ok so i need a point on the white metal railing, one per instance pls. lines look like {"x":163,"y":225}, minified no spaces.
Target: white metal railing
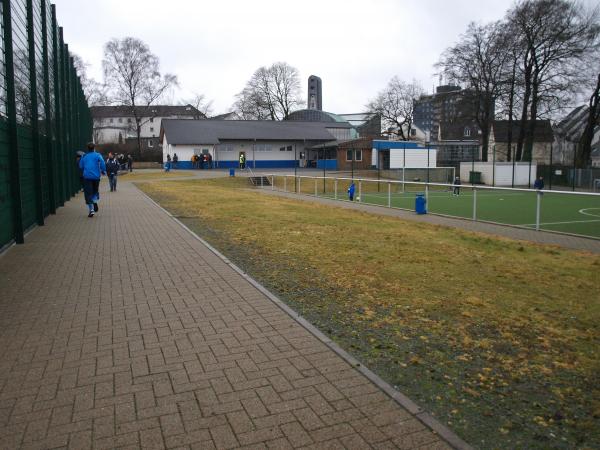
{"x":300,"y":180}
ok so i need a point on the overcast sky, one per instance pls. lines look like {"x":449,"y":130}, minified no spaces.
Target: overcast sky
{"x":215,"y":46}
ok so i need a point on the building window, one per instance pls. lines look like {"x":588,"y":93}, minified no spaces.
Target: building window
{"x":467,"y":132}
{"x":128,"y":120}
{"x":120,"y":120}
{"x":413,"y":132}
{"x":150,"y":143}
{"x":357,"y":155}
{"x":111,"y":120}
{"x":151,"y":129}
{"x":289,"y":148}
{"x":151,"y":119}
{"x":282,"y":149}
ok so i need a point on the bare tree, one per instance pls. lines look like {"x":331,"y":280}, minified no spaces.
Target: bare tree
{"x":272,"y":93}
{"x":558,"y":38}
{"x":395,"y":104}
{"x":94,"y":91}
{"x":132,"y":75}
{"x":201,"y":103}
{"x":477,"y":62}
{"x":584,"y":155}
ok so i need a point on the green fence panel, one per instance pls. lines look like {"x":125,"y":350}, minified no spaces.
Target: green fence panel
{"x":44,"y":117}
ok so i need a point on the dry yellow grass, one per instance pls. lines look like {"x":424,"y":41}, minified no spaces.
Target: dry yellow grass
{"x":499,"y":338}
{"x":152,"y":175}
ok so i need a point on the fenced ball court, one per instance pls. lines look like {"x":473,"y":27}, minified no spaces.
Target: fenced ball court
{"x":576,"y":213}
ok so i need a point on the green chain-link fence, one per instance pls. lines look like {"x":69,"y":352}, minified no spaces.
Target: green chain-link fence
{"x":44,"y":118}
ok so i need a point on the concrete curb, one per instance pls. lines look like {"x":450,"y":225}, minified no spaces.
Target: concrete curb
{"x":427,"y":419}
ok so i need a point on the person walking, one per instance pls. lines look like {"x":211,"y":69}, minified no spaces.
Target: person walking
{"x":175,"y":160}
{"x":112,"y":171}
{"x":130,"y":162}
{"x":209,"y":161}
{"x":242,"y":161}
{"x":539,"y":185}
{"x":351,"y":191}
{"x":456,"y":189}
{"x":93,"y":168}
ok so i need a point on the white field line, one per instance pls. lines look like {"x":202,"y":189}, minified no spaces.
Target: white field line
{"x":560,"y":223}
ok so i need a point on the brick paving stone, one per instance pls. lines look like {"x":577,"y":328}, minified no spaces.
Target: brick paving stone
{"x":152,"y":341}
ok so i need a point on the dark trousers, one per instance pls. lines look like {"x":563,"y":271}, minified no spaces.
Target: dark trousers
{"x":112,"y":181}
{"x":90,"y":191}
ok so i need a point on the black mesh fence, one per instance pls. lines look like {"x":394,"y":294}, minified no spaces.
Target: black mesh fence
{"x":44,"y":118}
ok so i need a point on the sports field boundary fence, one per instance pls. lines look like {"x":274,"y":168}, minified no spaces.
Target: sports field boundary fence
{"x":44,"y":118}
{"x":566,"y":212}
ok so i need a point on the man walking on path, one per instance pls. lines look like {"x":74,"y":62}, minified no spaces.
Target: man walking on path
{"x":112,"y":170}
{"x":130,"y":163}
{"x":93,"y":168}
{"x":175,"y":160}
{"x":242,"y":161}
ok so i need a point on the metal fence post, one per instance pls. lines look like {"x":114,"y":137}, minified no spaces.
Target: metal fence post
{"x":59,"y":143}
{"x":335,"y":188}
{"x":316,"y":188}
{"x":299,"y":188}
{"x":272,"y":182}
{"x":360,"y":191}
{"x":474,"y":203}
{"x":389,"y":194}
{"x":35,"y":127}
{"x":11,"y":111}
{"x":285,"y":183}
{"x":48,"y":113}
{"x":538,"y":210}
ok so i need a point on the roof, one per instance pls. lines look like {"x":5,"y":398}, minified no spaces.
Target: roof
{"x":314,"y":115}
{"x":193,"y":132}
{"x":232,"y":115}
{"x":543,"y":131}
{"x":99,"y":112}
{"x":456,"y":131}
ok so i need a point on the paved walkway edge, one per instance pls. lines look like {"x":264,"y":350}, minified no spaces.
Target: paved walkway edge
{"x":427,"y":419}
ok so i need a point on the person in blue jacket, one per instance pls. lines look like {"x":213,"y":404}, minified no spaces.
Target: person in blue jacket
{"x":351,"y":190}
{"x":93,"y":168}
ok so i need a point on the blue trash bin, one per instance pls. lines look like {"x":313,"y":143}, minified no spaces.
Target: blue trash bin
{"x":421,"y":204}
{"x":232,"y":172}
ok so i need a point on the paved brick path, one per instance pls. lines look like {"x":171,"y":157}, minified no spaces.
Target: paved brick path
{"x":124,"y":331}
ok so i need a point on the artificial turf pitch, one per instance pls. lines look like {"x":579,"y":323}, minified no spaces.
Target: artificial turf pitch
{"x":568,"y":213}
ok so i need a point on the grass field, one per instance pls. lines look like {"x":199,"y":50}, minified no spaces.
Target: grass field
{"x":568,"y":213}
{"x":152,"y":174}
{"x":499,"y":339}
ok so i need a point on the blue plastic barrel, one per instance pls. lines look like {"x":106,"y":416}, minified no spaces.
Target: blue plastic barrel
{"x":421,"y":204}
{"x":232,"y":172}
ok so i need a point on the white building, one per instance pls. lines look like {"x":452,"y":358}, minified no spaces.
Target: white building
{"x":265,"y":144}
{"x":116,"y":124}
